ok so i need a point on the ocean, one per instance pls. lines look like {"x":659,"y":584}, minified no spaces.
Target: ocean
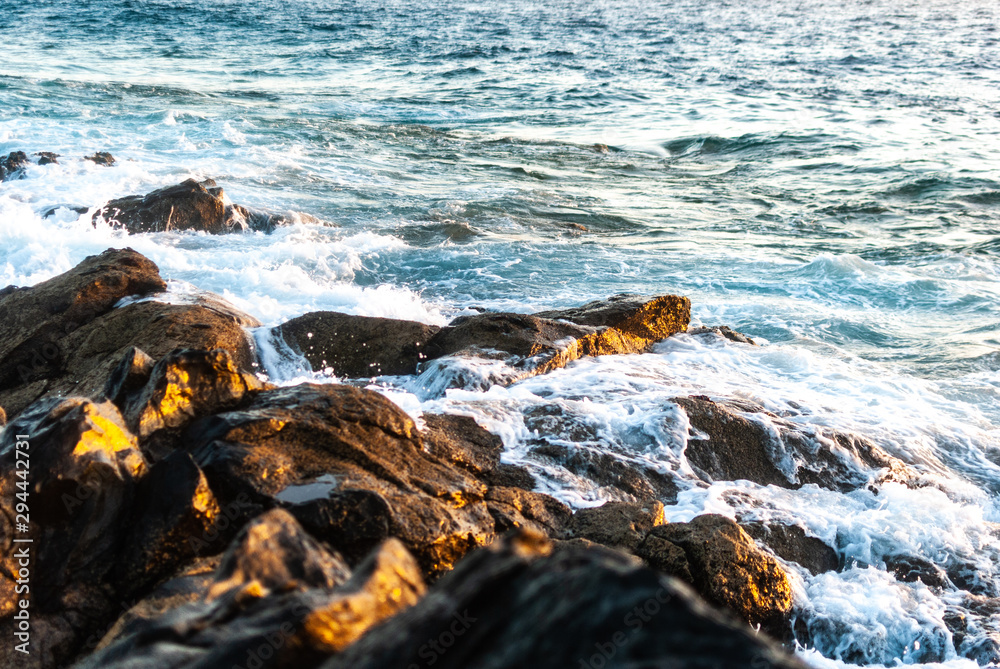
{"x":821,"y":176}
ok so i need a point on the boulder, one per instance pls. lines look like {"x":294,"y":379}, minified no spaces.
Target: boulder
{"x":648,"y":320}
{"x":277,"y":599}
{"x":461,"y":441}
{"x":791,"y":543}
{"x":65,"y":336}
{"x":523,"y":604}
{"x":357,"y":346}
{"x":726,"y":568}
{"x":190,"y":205}
{"x":742,"y":441}
{"x":12,"y":165}
{"x":296,"y":445}
{"x":616,"y":524}
{"x":129,"y":377}
{"x":514,"y":508}
{"x":911,"y":569}
{"x":47,"y":158}
{"x":102,"y":158}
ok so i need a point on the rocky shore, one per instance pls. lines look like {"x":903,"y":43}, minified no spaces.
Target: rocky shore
{"x":185,"y":512}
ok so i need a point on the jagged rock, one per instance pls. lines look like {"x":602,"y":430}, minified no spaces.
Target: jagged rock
{"x":303,"y":442}
{"x":511,"y":476}
{"x":461,"y":441}
{"x":523,"y":605}
{"x":12,"y":165}
{"x":186,"y":384}
{"x":975,"y":628}
{"x":616,"y":524}
{"x":356,"y":521}
{"x":745,"y":442}
{"x":357,"y":346}
{"x":65,"y":336}
{"x":189,"y":205}
{"x":514,"y":508}
{"x":537,"y":344}
{"x":47,"y":158}
{"x":726,"y":568}
{"x":725,"y":332}
{"x":790,"y":542}
{"x":101,"y":158}
{"x":129,"y":377}
{"x":278,"y":599}
{"x":82,"y":480}
{"x":910,"y":569}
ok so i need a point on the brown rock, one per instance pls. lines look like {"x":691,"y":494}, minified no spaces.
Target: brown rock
{"x":616,"y":524}
{"x":304,"y":442}
{"x":514,"y":508}
{"x":725,"y":332}
{"x":47,"y":158}
{"x":461,"y":441}
{"x":729,"y":570}
{"x":790,"y":542}
{"x":12,"y":165}
{"x":190,"y":205}
{"x":357,"y":346}
{"x":101,"y":158}
{"x":646,"y":319}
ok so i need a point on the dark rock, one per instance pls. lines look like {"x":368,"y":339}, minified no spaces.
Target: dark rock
{"x":616,"y":524}
{"x":745,"y":442}
{"x":185,"y":385}
{"x":50,"y":211}
{"x":129,"y":377}
{"x":303,"y":442}
{"x":511,"y":476}
{"x":101,"y":158}
{"x":725,"y":332}
{"x":12,"y":165}
{"x":190,"y":205}
{"x":790,"y":542}
{"x":665,"y":557}
{"x":357,"y":346}
{"x":47,"y":158}
{"x":967,"y":577}
{"x":461,"y":441}
{"x":523,"y":605}
{"x":353,"y":521}
{"x":278,"y":599}
{"x":514,"y":508}
{"x":84,"y":470}
{"x":910,"y":569}
{"x":728,"y":569}
{"x":65,"y":336}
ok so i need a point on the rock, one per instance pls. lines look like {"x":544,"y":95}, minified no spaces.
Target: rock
{"x":12,"y":165}
{"x":190,"y":205}
{"x":725,"y":332}
{"x":3,"y":417}
{"x":648,"y":320}
{"x":616,"y":524}
{"x":910,"y":569}
{"x":357,"y":346}
{"x":84,"y":471}
{"x":514,"y":508}
{"x":50,"y":211}
{"x":506,"y":608}
{"x":185,"y":385}
{"x":129,"y":377}
{"x":728,"y":570}
{"x":356,"y":521}
{"x":278,"y":599}
{"x":461,"y":441}
{"x":65,"y":336}
{"x":47,"y":158}
{"x":745,"y":442}
{"x":101,"y":158}
{"x":303,"y":442}
{"x":511,"y":476}
{"x":791,"y":543}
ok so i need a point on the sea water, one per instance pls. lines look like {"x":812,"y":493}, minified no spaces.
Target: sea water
{"x":824,"y":177}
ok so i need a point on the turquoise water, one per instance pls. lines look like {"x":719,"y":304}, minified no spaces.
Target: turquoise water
{"x":824,"y":177}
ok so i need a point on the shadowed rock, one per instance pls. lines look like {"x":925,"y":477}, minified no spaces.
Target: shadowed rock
{"x":357,"y":346}
{"x":129,"y":377}
{"x":514,"y":508}
{"x":65,"y":336}
{"x":745,"y":442}
{"x":461,"y":441}
{"x":12,"y":165}
{"x":791,"y":543}
{"x":725,"y":332}
{"x":190,"y":205}
{"x":910,"y":569}
{"x":725,"y":567}
{"x":521,"y":604}
{"x":304,"y":442}
{"x":616,"y":524}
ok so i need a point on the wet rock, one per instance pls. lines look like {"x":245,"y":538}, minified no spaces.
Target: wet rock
{"x":461,"y":441}
{"x":910,"y":569}
{"x":309,"y":440}
{"x":725,"y":332}
{"x":47,"y":158}
{"x":65,"y":336}
{"x":616,"y":524}
{"x":507,"y":607}
{"x":646,"y":319}
{"x":745,"y":442}
{"x":189,"y":205}
{"x":968,"y":577}
{"x":101,"y":158}
{"x":185,"y":385}
{"x":728,"y":569}
{"x":790,"y":542}
{"x":355,"y":521}
{"x":278,"y":599}
{"x":357,"y":346}
{"x":129,"y":377}
{"x":514,"y":508}
{"x":48,"y":212}
{"x":12,"y":165}
{"x":84,"y":470}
